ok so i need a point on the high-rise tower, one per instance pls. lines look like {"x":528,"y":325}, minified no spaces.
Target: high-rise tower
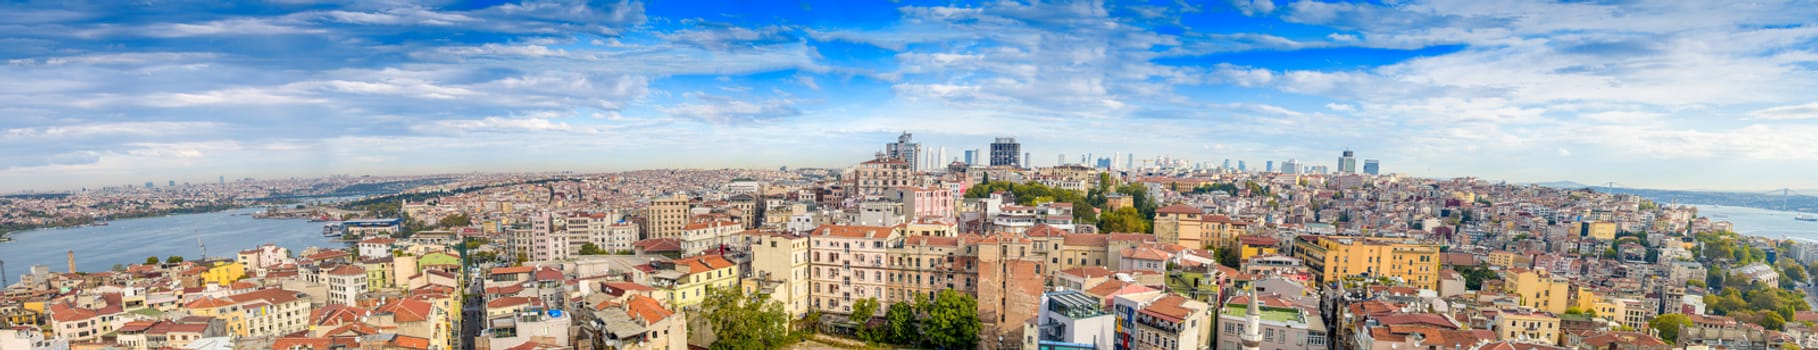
{"x":904,"y":149}
{"x":1347,"y":164}
{"x":1006,"y":152}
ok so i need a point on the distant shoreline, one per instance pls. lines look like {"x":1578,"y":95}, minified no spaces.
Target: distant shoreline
{"x":8,"y":230}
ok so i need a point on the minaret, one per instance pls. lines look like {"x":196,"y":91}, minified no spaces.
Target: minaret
{"x":1252,"y":337}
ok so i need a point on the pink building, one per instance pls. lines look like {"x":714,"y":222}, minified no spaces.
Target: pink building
{"x":849,"y":263}
{"x":924,"y":201}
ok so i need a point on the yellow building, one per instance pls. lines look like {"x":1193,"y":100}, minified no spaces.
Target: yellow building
{"x":1334,"y":258}
{"x":1533,"y":326}
{"x":1539,"y":289}
{"x":224,"y":273}
{"x":378,"y":273}
{"x":686,"y":280}
{"x":1603,"y":230}
{"x":1507,"y":259}
{"x":1257,"y":245}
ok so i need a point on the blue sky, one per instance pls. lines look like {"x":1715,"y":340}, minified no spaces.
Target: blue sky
{"x":1705,"y":95}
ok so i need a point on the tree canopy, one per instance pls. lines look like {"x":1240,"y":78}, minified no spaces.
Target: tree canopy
{"x":1668,"y":325}
{"x":591,"y":249}
{"x":740,"y":321}
{"x":456,"y":220}
{"x":953,"y":321}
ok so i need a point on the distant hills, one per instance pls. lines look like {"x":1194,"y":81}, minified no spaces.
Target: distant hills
{"x":1760,"y":200}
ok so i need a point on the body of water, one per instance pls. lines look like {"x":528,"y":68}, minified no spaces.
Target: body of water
{"x":129,"y":241}
{"x":1762,"y":222}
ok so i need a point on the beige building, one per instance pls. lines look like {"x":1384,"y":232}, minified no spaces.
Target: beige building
{"x":1536,"y":326}
{"x":924,"y":265}
{"x":665,"y":217}
{"x":779,"y":267}
{"x":875,"y":177}
{"x":700,"y":237}
{"x":1188,"y":226}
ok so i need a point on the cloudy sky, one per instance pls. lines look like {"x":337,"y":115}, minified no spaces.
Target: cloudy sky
{"x":1681,"y":94}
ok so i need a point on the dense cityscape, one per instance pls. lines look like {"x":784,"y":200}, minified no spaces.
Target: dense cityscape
{"x":915,"y":248}
{"x":909,"y":174}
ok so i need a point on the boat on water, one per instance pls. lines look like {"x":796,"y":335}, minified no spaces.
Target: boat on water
{"x":1805,"y":217}
{"x":332,"y":229}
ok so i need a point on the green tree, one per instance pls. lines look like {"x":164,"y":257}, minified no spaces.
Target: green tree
{"x":902,"y":324}
{"x":173,"y":259}
{"x":862,"y":310}
{"x":1126,"y":219}
{"x":456,"y":220}
{"x":1773,"y":321}
{"x":591,"y":249}
{"x":740,"y":321}
{"x":151,"y":260}
{"x":1475,"y":275}
{"x":1668,"y":325}
{"x":953,"y":321}
{"x":1792,"y":272}
{"x":1229,"y":256}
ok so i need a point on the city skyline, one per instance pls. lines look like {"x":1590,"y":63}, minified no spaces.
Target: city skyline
{"x":1685,"y":96}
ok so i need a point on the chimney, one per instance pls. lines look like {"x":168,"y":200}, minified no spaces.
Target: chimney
{"x":72,"y":261}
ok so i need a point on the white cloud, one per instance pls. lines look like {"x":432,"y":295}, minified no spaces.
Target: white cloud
{"x":721,"y":110}
{"x":1254,"y":7}
{"x":1804,"y":111}
{"x":112,"y":129}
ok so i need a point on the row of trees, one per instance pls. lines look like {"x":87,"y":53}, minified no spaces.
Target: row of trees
{"x":152,"y":260}
{"x":1034,"y":193}
{"x":1139,"y":217}
{"x":741,"y":321}
{"x":950,"y":321}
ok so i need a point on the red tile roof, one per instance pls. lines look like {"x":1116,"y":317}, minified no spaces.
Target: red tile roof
{"x":512,"y":270}
{"x":1179,"y":209}
{"x":646,"y":309}
{"x":407,"y":310}
{"x":704,"y":263}
{"x":659,"y":245}
{"x":848,"y":231}
{"x":347,"y":270}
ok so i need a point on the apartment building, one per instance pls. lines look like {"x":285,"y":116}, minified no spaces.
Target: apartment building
{"x":701,"y":237}
{"x":665,"y":216}
{"x":1334,"y":258}
{"x":780,"y":268}
{"x":1189,"y":226}
{"x":685,"y":281}
{"x":849,"y":263}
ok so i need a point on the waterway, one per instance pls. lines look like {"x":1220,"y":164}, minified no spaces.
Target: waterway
{"x":1762,"y":222}
{"x":129,"y":241}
